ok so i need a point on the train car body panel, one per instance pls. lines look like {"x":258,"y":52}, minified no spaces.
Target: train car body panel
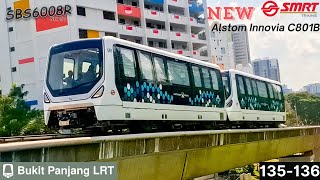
{"x":253,"y":98}
{"x":116,"y":95}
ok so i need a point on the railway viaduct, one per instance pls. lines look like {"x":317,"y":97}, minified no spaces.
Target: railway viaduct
{"x":175,"y":155}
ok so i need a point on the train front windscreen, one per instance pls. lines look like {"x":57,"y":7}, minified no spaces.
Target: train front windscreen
{"x":74,"y":68}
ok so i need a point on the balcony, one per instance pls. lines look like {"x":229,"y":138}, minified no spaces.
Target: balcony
{"x":130,"y":11}
{"x":197,"y":22}
{"x":199,"y":38}
{"x":178,"y":19}
{"x":179,"y":36}
{"x":157,"y":33}
{"x":200,"y":55}
{"x":154,"y":2}
{"x":131,"y":30}
{"x":182,"y":52}
{"x":196,"y":8}
{"x":178,"y":3}
{"x":156,"y":15}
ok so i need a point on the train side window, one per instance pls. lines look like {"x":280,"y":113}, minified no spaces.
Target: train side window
{"x":206,"y":78}
{"x":240,"y":84}
{"x":146,"y":66}
{"x":249,"y":87}
{"x":254,"y":88}
{"x":276,"y":95}
{"x":271,"y":92}
{"x":262,"y":89}
{"x":196,"y":76}
{"x":178,"y":73}
{"x":214,"y":78}
{"x":278,"y":91}
{"x":128,"y":61}
{"x":160,"y":69}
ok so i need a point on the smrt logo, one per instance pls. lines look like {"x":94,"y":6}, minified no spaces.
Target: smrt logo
{"x":271,"y":8}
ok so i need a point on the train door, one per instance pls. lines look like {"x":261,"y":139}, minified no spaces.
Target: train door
{"x":161,"y":76}
{"x":126,"y":73}
{"x":242,"y":99}
{"x":197,"y":85}
{"x":218,"y":88}
{"x":263,"y":100}
{"x":179,"y":89}
{"x":250,"y":98}
{"x":147,"y":80}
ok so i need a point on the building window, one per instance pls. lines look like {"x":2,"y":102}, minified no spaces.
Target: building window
{"x":134,"y":4}
{"x":212,"y":34}
{"x":10,"y":29}
{"x":12,"y":49}
{"x":138,"y":41}
{"x":223,"y":50}
{"x":162,"y":44}
{"x":150,"y":43}
{"x":83,"y":33}
{"x":81,"y":11}
{"x":147,"y":6}
{"x":14,"y":69}
{"x":122,"y":21}
{"x":108,"y":15}
{"x":110,"y":34}
{"x":136,"y":23}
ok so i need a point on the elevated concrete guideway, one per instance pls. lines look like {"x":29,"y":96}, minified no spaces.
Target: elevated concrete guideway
{"x":174,"y":155}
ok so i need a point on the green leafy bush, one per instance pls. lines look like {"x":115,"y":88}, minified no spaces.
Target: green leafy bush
{"x":16,"y":117}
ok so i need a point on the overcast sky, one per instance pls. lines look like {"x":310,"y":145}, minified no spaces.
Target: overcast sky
{"x":298,"y":52}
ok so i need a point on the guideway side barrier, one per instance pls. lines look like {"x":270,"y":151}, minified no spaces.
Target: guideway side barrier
{"x":172,"y":155}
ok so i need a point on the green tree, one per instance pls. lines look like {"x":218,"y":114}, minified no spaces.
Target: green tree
{"x":305,"y":106}
{"x":16,"y":117}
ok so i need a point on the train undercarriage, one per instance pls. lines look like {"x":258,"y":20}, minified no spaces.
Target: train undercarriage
{"x":85,"y":121}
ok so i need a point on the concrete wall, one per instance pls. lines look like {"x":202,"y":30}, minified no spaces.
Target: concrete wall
{"x":177,"y":155}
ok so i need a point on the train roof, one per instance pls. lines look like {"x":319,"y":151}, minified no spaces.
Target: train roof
{"x":253,"y":76}
{"x":147,"y":48}
{"x":161,"y":52}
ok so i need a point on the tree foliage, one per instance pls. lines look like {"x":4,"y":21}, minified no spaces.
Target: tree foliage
{"x":16,"y":117}
{"x":305,"y":107}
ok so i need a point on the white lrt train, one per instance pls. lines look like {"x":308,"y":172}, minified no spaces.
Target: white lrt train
{"x":111,"y":84}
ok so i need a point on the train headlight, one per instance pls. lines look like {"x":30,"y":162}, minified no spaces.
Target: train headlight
{"x":98,"y":93}
{"x":46,"y":98}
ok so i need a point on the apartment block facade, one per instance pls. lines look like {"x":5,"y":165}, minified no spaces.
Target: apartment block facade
{"x":267,"y":67}
{"x":222,"y":48}
{"x":177,"y":26}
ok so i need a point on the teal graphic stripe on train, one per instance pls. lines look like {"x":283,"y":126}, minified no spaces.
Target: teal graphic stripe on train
{"x":206,"y":99}
{"x":155,"y":93}
{"x":251,"y":103}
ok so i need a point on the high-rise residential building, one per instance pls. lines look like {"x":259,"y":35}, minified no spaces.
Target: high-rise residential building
{"x":286,"y":89}
{"x":177,"y":26}
{"x":222,"y":48}
{"x":312,"y":89}
{"x":241,"y":47}
{"x":267,"y":67}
